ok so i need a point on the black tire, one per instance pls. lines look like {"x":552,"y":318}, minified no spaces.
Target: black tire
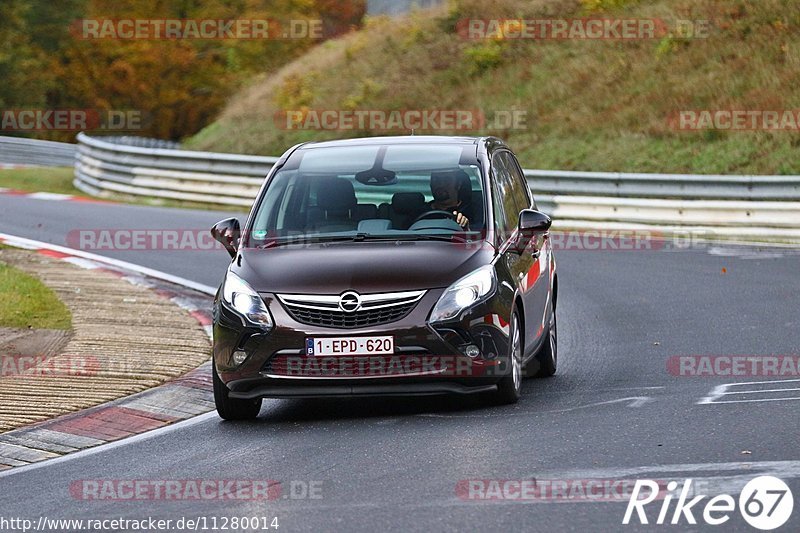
{"x":232,"y":408}
{"x":509,"y":388}
{"x":545,"y":362}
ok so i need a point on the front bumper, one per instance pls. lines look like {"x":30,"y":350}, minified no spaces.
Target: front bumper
{"x":273,"y":389}
{"x":415,"y":340}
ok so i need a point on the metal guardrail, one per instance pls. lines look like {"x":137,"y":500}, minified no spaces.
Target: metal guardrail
{"x":142,"y":142}
{"x":742,"y":205}
{"x":23,"y":151}
{"x":676,"y":186}
{"x":103,"y":166}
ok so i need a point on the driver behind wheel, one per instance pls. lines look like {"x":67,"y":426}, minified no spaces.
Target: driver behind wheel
{"x":452,"y":192}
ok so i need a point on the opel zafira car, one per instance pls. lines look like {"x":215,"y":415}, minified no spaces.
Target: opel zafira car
{"x":394,"y":266}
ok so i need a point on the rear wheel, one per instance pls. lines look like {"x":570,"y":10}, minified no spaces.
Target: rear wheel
{"x":544,"y":363}
{"x":232,"y":408}
{"x":509,"y":388}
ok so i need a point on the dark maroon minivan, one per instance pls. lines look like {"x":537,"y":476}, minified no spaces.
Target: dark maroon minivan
{"x":386,"y":266}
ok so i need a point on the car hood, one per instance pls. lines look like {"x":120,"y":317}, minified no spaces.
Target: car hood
{"x":366,"y":267}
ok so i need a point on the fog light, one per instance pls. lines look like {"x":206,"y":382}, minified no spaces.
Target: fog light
{"x":239,"y":356}
{"x":472,"y":351}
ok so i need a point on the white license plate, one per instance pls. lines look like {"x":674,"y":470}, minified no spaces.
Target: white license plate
{"x":349,"y":345}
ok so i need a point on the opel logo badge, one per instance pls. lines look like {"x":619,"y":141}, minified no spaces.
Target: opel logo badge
{"x":350,"y":302}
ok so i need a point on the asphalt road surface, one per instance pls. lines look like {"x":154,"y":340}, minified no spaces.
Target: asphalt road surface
{"x":613,"y":412}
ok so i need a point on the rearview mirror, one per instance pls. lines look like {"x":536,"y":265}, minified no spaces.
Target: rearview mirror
{"x":228,"y":233}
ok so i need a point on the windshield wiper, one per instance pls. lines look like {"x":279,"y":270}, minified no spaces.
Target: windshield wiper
{"x":362,"y":237}
{"x":305,"y":240}
{"x":428,"y":237}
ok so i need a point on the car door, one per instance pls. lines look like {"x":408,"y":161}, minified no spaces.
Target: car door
{"x":534,"y":258}
{"x":506,"y":214}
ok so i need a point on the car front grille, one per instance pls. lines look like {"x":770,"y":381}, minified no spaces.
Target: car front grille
{"x":324,"y":310}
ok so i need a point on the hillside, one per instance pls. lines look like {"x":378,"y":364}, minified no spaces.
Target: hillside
{"x":54,"y":56}
{"x":590,"y":104}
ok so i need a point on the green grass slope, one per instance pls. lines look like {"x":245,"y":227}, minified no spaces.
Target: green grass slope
{"x":590,"y":104}
{"x":25,"y":302}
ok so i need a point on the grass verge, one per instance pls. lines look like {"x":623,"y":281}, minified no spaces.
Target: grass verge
{"x":39,"y":179}
{"x":25,"y":302}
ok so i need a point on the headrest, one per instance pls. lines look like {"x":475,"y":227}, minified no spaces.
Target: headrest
{"x":336,"y":194}
{"x":408,"y":202}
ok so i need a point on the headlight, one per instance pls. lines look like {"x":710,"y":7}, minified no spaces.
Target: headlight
{"x":465,"y":292}
{"x":244,"y":300}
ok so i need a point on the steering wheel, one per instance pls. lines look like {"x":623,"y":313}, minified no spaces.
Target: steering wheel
{"x":435,"y":213}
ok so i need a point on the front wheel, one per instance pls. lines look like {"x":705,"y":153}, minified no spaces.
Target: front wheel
{"x":509,"y":388}
{"x":232,"y":408}
{"x":544,"y":363}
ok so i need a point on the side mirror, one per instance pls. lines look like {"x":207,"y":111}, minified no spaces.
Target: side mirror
{"x":532,"y":222}
{"x":228,"y":233}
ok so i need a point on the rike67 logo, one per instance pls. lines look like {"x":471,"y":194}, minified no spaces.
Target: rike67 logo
{"x":765,"y":503}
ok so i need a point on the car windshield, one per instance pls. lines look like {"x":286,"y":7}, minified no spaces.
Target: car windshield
{"x":362,"y":192}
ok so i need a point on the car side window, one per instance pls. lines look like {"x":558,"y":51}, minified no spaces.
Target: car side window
{"x":521,"y":189}
{"x":505,"y":219}
{"x":515,"y":192}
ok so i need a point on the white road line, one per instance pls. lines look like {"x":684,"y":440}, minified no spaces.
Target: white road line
{"x":635,"y":401}
{"x":758,"y":400}
{"x":741,"y":383}
{"x":719,"y":391}
{"x":789,"y":469}
{"x":632,"y":388}
{"x":762,"y":391}
{"x":81,"y":262}
{"x":33,"y":245}
{"x":715,"y":394}
{"x":49,"y":196}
